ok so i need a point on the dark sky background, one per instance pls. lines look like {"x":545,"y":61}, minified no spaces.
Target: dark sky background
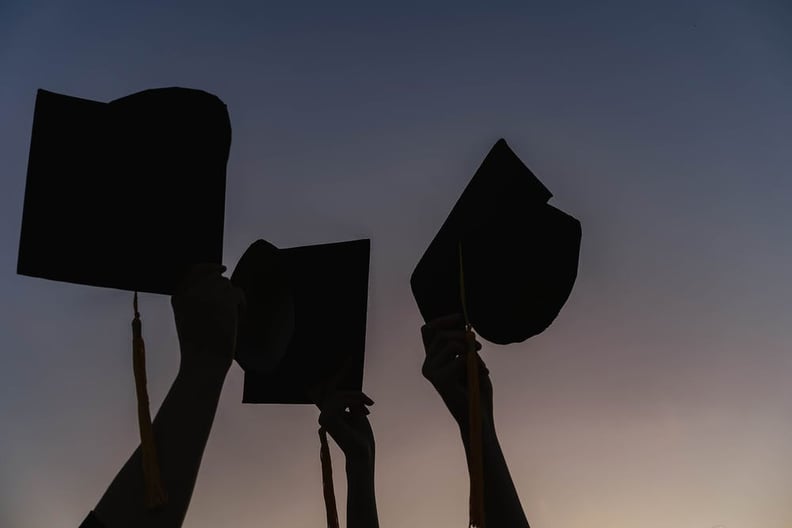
{"x":660,"y":396}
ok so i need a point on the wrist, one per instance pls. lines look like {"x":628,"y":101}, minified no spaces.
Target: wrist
{"x":487,"y":430}
{"x":360,"y":465}
{"x":204,"y":361}
{"x":202,"y":374}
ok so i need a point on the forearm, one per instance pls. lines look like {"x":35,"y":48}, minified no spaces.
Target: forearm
{"x":181,"y":430}
{"x":361,"y":500}
{"x":502,"y":508}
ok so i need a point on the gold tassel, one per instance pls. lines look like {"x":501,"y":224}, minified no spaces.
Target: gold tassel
{"x":327,"y":481}
{"x":155,"y":492}
{"x":476,"y":458}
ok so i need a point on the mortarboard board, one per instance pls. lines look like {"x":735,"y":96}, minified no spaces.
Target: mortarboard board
{"x":520,"y":254}
{"x":507,"y":260}
{"x":129,"y":195}
{"x":325,"y":288}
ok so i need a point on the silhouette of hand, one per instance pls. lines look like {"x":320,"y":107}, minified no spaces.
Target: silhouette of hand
{"x":344,"y":417}
{"x":445,"y":366}
{"x":206,"y":309}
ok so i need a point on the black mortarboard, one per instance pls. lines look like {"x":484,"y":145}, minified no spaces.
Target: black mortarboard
{"x":519,"y":254}
{"x":127,"y":194}
{"x":507,"y":260}
{"x":322,"y":290}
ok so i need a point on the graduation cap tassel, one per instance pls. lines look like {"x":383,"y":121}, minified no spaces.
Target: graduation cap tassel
{"x":476,"y":460}
{"x":327,"y":481}
{"x":154,"y":492}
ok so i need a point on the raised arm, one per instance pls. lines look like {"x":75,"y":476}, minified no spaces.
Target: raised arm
{"x":345,"y":418}
{"x":444,"y":367}
{"x":206,"y":312}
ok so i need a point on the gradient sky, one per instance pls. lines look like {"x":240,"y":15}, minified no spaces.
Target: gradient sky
{"x":660,"y":397}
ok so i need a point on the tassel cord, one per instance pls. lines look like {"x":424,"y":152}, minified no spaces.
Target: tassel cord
{"x":327,"y":481}
{"x":155,"y":495}
{"x":475,"y":456}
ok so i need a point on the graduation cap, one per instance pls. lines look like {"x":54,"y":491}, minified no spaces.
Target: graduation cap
{"x":305,"y":327}
{"x":128,"y":195}
{"x":504,"y":258}
{"x":306,"y":322}
{"x":519,"y":254}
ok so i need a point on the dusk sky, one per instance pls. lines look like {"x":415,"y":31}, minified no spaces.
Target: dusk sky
{"x":661,"y":397}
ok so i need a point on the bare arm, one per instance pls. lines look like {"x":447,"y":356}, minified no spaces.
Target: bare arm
{"x":444,"y":367}
{"x":502,"y":506}
{"x":352,"y":432}
{"x":181,"y":430}
{"x":206,"y":316}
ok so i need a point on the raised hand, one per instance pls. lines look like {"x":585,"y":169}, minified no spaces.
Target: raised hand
{"x":206,"y":310}
{"x":445,"y":343}
{"x":344,"y":415}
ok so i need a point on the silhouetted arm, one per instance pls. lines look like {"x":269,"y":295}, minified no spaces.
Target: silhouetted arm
{"x":206,"y":317}
{"x":181,"y":430}
{"x":445,"y":343}
{"x":502,"y":506}
{"x":350,"y":429}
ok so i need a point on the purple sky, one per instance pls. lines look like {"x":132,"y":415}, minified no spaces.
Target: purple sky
{"x":659,"y":398}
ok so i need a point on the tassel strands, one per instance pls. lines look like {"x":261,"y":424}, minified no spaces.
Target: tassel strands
{"x":476,"y":456}
{"x":476,"y":459}
{"x":327,"y":481}
{"x":155,"y":494}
